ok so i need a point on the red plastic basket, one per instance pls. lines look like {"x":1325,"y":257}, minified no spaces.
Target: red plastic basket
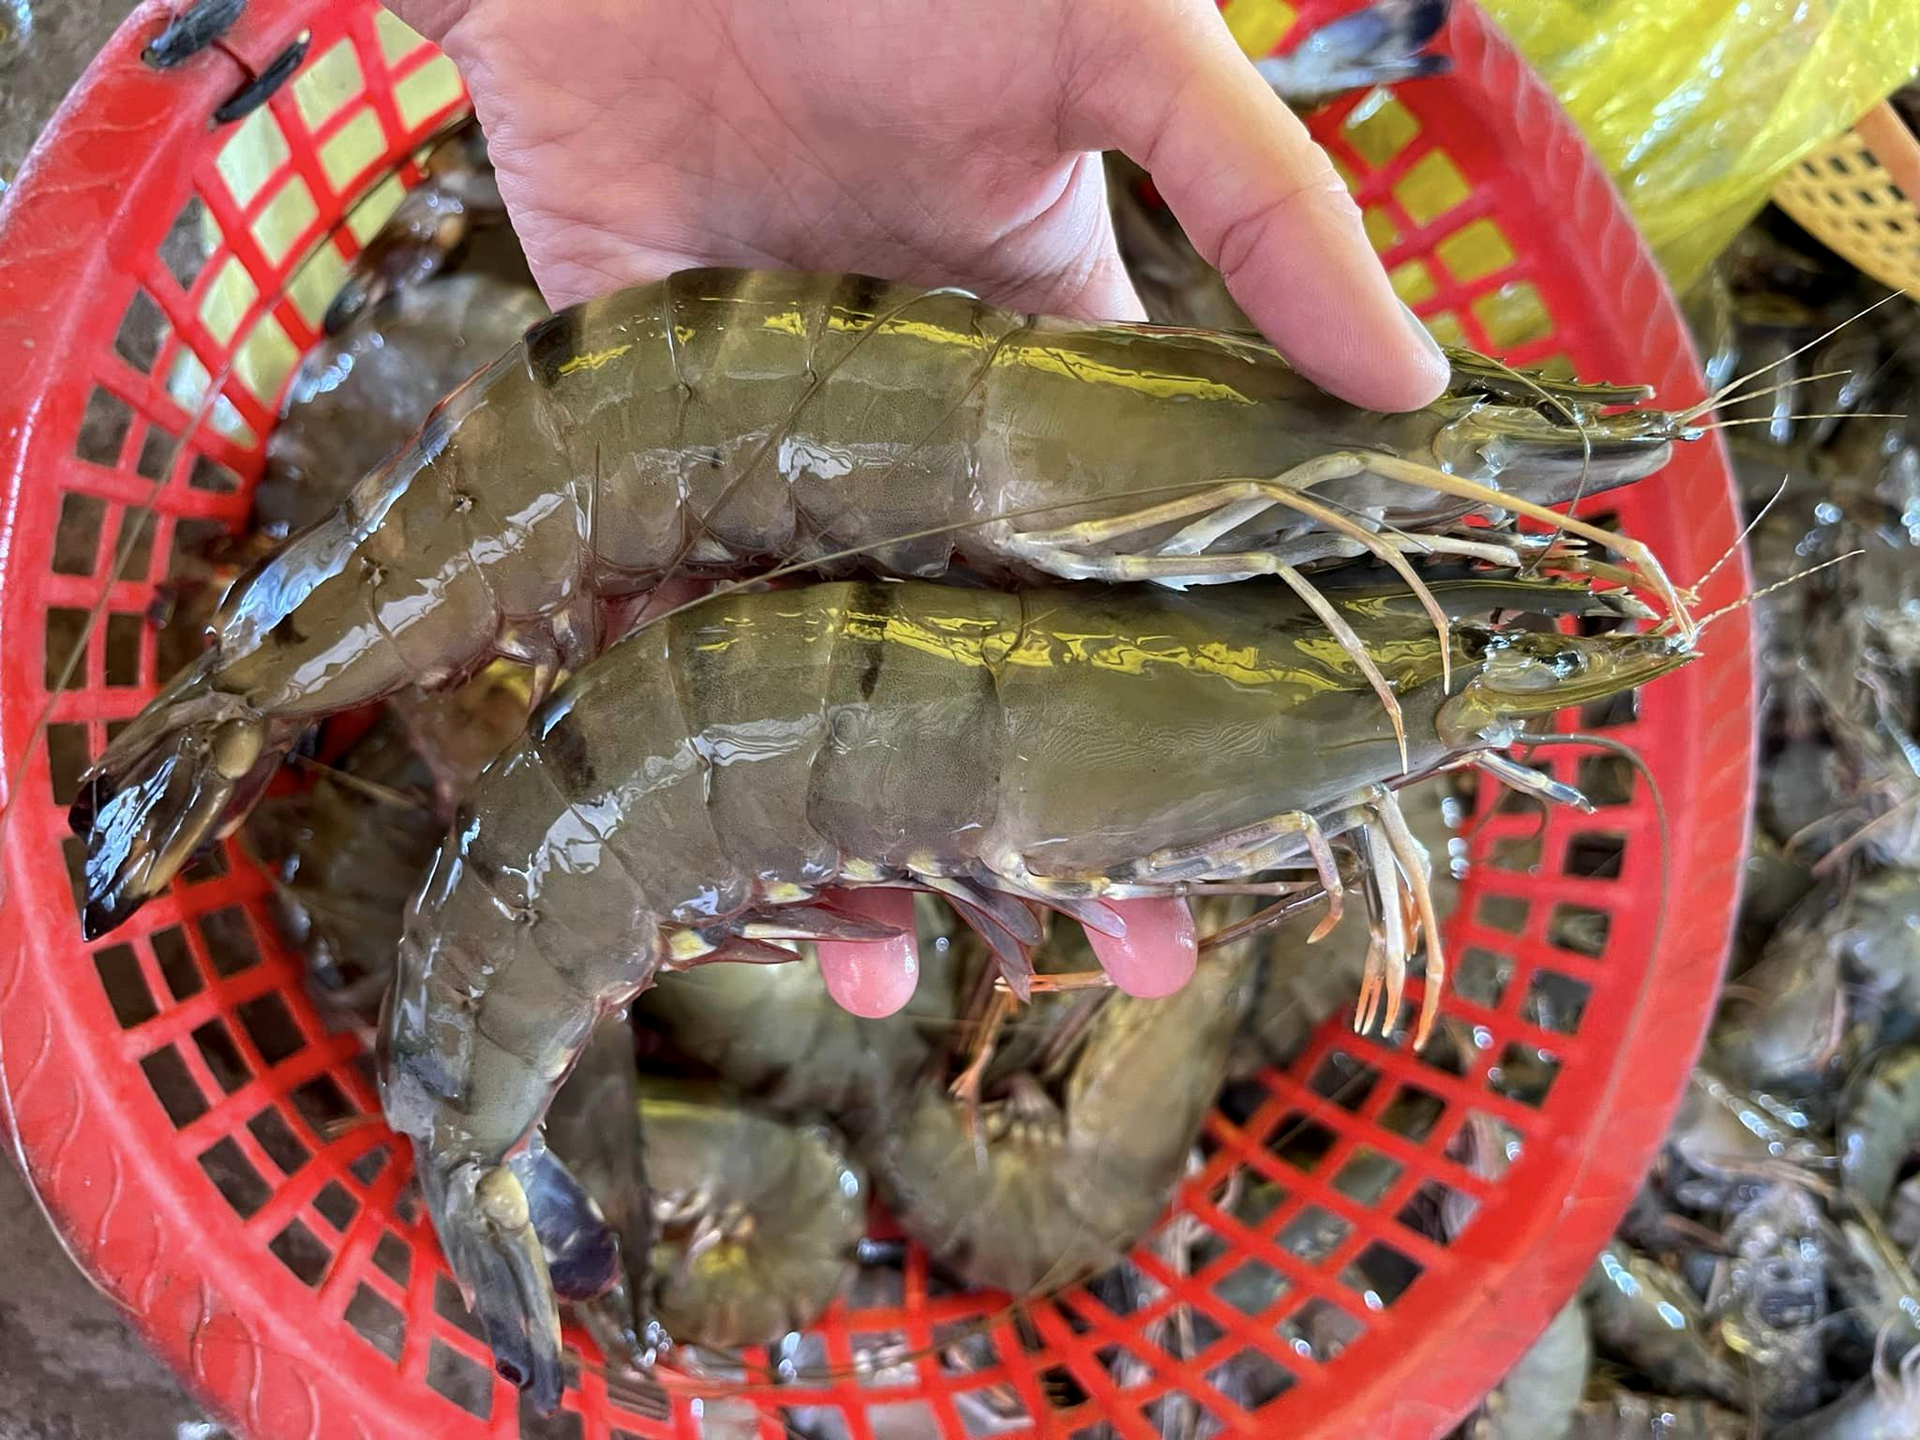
{"x":183,"y":1051}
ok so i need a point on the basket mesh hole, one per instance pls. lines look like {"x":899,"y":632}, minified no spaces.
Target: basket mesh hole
{"x":465,"y":1383}
{"x":76,"y":543}
{"x":1313,"y":1234}
{"x":123,"y":648}
{"x":74,"y":850}
{"x":223,"y":1057}
{"x":230,"y":942}
{"x":1413,"y":282}
{"x":132,"y":555}
{"x":1260,"y":1200}
{"x":1381,"y":230}
{"x":1611,"y":712}
{"x":1432,"y":186}
{"x":272,"y":1028}
{"x":1169,"y":1414}
{"x":126,"y":987}
{"x":1606,"y":779}
{"x":393,"y":1258}
{"x":434,"y":86}
{"x":184,"y":248}
{"x":1301,"y":1141}
{"x":1525,"y":1073}
{"x":142,"y":330}
{"x":1502,"y":912}
{"x":321,"y":1104}
{"x":66,"y":761}
{"x":1367,"y":1176}
{"x":1344,"y":1079}
{"x":351,"y":149}
{"x":327,"y":83}
{"x":1555,"y":1001}
{"x":1596,"y":854}
{"x":448,"y":1305}
{"x":234,"y":1177}
{"x":276,"y":1137}
{"x":1476,"y":249}
{"x":1413,"y":1112}
{"x":1513,"y":315}
{"x":1380,"y":130}
{"x":335,"y":1205}
{"x":211,"y":476}
{"x":367,"y":1167}
{"x":562,"y":1425}
{"x":1482,"y":976}
{"x":1251,"y":1378}
{"x":1516,"y":852}
{"x":66,"y":629}
{"x":375,"y":1321}
{"x":300,"y":1250}
{"x":1251,"y":1287}
{"x":157,"y":449}
{"x":1486,"y":1145}
{"x":255,"y":153}
{"x":208,"y":865}
{"x":285,"y":219}
{"x":1386,"y":1272}
{"x":1438,"y":1211}
{"x":1579,"y":928}
{"x":176,"y":962}
{"x":103,"y":428}
{"x":1320,"y":1330}
{"x":174,"y":1087}
{"x":265,"y":359}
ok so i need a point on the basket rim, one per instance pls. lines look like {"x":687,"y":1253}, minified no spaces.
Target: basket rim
{"x":49,"y":228}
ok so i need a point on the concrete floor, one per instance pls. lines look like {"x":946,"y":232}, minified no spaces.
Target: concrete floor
{"x":70,"y":1368}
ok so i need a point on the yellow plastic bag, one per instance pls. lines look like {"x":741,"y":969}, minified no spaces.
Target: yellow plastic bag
{"x":1697,"y":107}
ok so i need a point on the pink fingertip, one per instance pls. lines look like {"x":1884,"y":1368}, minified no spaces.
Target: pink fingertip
{"x":1157,"y":954}
{"x":873,"y":979}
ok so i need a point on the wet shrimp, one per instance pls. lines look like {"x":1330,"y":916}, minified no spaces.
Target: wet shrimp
{"x":362,"y":394}
{"x":1034,"y":1192}
{"x":1538,"y":1397}
{"x":687,"y":795}
{"x":1647,"y":1318}
{"x":759,"y":1219}
{"x":719,"y":420}
{"x":1880,"y":1126}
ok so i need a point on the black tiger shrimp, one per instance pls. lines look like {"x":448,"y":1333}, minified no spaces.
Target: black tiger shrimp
{"x":722,"y":420}
{"x":685,"y":797}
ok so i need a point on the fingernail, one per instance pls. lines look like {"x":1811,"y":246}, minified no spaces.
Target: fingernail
{"x":1427,"y":342}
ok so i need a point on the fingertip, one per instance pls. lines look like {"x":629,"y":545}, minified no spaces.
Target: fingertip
{"x":873,"y":979}
{"x":1157,"y":955}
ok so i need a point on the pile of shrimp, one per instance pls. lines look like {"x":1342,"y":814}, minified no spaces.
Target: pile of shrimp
{"x":1764,"y":1283}
{"x":1217,"y":636}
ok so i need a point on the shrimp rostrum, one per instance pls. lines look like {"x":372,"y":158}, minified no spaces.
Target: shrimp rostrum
{"x":685,"y":797}
{"x":721,"y":420}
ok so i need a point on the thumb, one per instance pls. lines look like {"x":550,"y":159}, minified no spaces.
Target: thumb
{"x":1260,"y":201}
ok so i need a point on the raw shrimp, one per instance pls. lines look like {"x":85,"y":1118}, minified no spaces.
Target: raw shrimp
{"x":683,"y":798}
{"x":720,"y":419}
{"x":1619,"y":1414}
{"x":773,"y":1031}
{"x":1379,"y":44}
{"x":1646,"y":1317}
{"x":345,"y":857}
{"x":361,"y":395}
{"x":1033,"y":1193}
{"x":1771,"y":1299}
{"x":759,"y":1219}
{"x":1790,"y":1008}
{"x":1880,"y":1127}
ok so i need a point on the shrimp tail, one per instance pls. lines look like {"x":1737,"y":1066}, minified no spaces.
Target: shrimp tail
{"x":1378,"y":44}
{"x":169,"y":786}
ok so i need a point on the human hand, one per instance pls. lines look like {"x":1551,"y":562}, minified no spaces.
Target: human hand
{"x":954,"y":144}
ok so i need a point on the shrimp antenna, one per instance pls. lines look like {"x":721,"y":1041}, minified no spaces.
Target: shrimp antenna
{"x":1741,"y":538}
{"x":1793,"y":579}
{"x":1693,"y":430}
{"x":1726,"y":391}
